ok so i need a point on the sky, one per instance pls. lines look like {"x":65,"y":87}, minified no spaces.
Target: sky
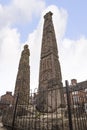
{"x":21,"y":22}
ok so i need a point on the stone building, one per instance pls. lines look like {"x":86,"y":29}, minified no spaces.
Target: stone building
{"x":50,"y":79}
{"x":22,"y":87}
{"x":6,"y":100}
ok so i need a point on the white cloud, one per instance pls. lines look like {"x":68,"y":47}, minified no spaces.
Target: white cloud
{"x":9,"y":58}
{"x":10,"y":45}
{"x":73,"y":59}
{"x":26,"y":9}
{"x":35,"y":47}
{"x":20,"y":11}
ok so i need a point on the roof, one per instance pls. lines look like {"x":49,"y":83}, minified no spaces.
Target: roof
{"x":79,"y":86}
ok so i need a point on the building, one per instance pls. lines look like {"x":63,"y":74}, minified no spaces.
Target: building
{"x":78,"y":93}
{"x":6,"y":100}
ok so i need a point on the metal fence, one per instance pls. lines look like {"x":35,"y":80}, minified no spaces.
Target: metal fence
{"x":76,"y":107}
{"x":51,"y":109}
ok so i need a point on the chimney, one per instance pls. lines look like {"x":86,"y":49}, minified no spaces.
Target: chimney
{"x":73,"y":82}
{"x":9,"y":93}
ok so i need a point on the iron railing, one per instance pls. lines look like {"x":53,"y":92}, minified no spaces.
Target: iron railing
{"x":49,"y":110}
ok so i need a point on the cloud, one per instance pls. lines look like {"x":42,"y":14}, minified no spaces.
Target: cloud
{"x":9,"y":57}
{"x":35,"y":50}
{"x":72,"y":53}
{"x":26,"y":9}
{"x":10,"y":42}
{"x":73,"y":59}
{"x":20,"y":13}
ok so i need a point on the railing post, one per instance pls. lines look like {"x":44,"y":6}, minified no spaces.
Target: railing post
{"x":69,"y":105}
{"x":14,"y":114}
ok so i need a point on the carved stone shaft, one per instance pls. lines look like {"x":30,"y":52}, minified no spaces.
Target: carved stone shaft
{"x":22,"y":87}
{"x":50,"y":79}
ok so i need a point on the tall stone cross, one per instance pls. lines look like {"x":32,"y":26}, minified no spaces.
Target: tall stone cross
{"x":50,"y":79}
{"x":22,"y":86}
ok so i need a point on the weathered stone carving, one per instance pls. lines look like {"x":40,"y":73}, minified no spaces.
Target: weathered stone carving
{"x":50,"y":80}
{"x":22,"y":87}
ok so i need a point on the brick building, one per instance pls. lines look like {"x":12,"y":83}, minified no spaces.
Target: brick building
{"x":78,"y":93}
